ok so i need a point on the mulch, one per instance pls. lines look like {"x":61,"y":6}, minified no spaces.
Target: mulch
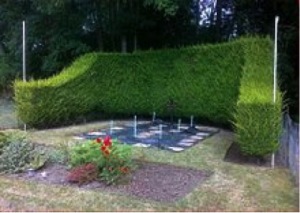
{"x":153,"y":181}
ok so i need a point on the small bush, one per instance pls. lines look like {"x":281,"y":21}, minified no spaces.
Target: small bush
{"x":87,"y":152}
{"x":113,"y":160}
{"x":18,"y":154}
{"x":57,"y":156}
{"x":10,"y":136}
{"x":3,"y":142}
{"x":118,"y":161}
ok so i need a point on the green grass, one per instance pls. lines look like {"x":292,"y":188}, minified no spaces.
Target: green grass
{"x":232,"y":187}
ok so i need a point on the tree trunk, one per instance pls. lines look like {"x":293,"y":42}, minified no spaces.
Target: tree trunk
{"x":135,"y":42}
{"x":1,"y":49}
{"x":124,"y":44}
{"x":219,"y":20}
{"x":100,"y":40}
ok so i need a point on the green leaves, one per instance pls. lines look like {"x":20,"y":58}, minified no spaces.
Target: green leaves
{"x":169,"y":7}
{"x":202,"y":80}
{"x":87,"y":152}
{"x":112,"y":159}
{"x":257,"y":119}
{"x":18,"y":155}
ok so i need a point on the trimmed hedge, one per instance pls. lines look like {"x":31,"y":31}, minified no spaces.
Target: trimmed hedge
{"x":257,"y":119}
{"x":224,"y":83}
{"x":202,"y":80}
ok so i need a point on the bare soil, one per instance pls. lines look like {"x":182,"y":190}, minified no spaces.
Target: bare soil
{"x":154,"y":181}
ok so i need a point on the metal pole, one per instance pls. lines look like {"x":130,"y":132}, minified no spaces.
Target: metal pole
{"x":24,"y":60}
{"x":24,"y":53}
{"x":134,"y":127}
{"x":275,"y":76}
{"x":111,"y":127}
{"x":275,"y":59}
{"x":160,"y":131}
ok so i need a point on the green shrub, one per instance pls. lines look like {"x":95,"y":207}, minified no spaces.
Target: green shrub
{"x":118,"y":163}
{"x":258,"y":127}
{"x":257,"y":119}
{"x":87,"y":152}
{"x":20,"y":155}
{"x":113,"y":159}
{"x":6,"y":137}
{"x":202,"y":80}
{"x":3,"y":142}
{"x":58,"y":156}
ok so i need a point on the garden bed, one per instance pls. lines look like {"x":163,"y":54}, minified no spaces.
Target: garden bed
{"x":154,"y":181}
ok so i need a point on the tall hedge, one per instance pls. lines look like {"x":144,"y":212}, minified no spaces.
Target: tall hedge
{"x":223,"y":83}
{"x":258,"y":118}
{"x":203,"y":81}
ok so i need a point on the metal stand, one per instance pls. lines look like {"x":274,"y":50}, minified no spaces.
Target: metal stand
{"x":171,"y":107}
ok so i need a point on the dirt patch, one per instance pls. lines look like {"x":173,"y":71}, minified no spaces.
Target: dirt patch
{"x":154,"y":181}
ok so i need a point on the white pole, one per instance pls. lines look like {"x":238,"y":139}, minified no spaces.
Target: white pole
{"x":160,"y":131}
{"x":111,"y":127}
{"x":275,"y":59}
{"x":179,"y":122}
{"x":24,"y":53}
{"x":134,"y":127}
{"x":153,"y":117}
{"x":24,"y":60}
{"x":275,"y":76}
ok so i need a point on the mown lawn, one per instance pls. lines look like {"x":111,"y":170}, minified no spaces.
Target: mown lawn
{"x":232,"y":187}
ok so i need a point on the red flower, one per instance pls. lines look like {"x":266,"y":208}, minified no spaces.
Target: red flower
{"x":98,"y":140}
{"x":103,"y":148}
{"x":107,"y":141}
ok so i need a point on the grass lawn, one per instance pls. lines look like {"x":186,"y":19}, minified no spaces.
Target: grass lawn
{"x":232,"y":187}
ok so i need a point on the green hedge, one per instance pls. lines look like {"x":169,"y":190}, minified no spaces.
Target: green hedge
{"x":257,"y":118}
{"x":223,"y":83}
{"x":202,"y":80}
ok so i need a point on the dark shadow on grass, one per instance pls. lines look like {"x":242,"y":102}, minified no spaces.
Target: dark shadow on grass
{"x":235,"y":155}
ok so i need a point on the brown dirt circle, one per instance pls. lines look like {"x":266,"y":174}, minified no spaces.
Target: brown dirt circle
{"x":154,"y":181}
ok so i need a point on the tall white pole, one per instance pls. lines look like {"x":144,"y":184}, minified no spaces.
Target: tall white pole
{"x":160,"y":131}
{"x":275,"y":59}
{"x":24,"y":60}
{"x":24,"y":53}
{"x":134,"y":127}
{"x":192,"y":121}
{"x":275,"y":75}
